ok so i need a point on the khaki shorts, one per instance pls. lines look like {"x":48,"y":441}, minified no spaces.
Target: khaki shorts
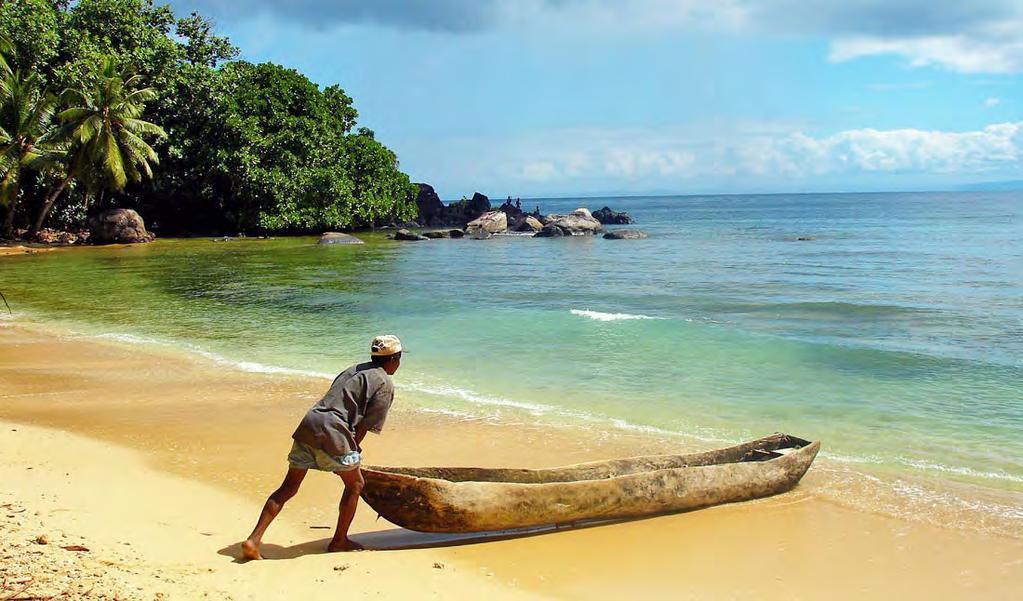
{"x":307,"y":457}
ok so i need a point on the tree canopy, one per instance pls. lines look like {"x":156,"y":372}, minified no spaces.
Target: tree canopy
{"x":240,"y":147}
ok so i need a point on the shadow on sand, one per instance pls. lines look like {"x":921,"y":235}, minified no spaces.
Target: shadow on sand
{"x":400,"y":539}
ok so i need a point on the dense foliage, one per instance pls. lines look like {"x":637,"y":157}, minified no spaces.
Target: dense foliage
{"x":197,"y":140}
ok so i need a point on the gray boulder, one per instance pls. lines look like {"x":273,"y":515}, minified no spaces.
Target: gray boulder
{"x":491,"y":222}
{"x":479,"y":235}
{"x":118,"y":226}
{"x":408,"y":236}
{"x":437,"y":234}
{"x":457,"y":233}
{"x":338,"y":238}
{"x":577,"y":223}
{"x":625,"y":235}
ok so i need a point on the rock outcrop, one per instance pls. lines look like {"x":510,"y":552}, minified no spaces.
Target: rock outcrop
{"x":434,"y":213}
{"x":118,"y":226}
{"x":608,"y":217}
{"x":627,"y":234}
{"x":491,"y":222}
{"x":429,"y":204}
{"x":338,"y":238}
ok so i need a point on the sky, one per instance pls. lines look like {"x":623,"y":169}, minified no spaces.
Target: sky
{"x":539,"y":98}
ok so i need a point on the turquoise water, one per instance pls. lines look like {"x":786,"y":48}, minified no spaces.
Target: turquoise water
{"x":895,"y":335}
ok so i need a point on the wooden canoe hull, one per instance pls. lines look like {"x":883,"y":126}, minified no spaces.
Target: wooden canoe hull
{"x":479,"y":500}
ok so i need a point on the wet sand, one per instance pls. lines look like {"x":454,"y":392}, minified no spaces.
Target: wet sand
{"x":171,"y":432}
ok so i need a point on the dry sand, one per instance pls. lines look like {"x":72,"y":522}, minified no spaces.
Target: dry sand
{"x":158,"y":463}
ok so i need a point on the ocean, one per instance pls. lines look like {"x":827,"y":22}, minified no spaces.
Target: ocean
{"x":893,"y":332}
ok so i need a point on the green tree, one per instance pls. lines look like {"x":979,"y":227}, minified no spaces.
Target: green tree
{"x":105,"y":135}
{"x":33,"y":29}
{"x":26,"y":115}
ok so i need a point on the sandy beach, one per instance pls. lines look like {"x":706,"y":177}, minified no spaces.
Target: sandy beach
{"x":157,"y":463}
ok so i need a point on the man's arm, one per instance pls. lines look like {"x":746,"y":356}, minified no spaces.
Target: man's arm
{"x":360,"y":433}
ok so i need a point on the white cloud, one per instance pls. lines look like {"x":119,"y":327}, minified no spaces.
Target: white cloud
{"x":965,"y":53}
{"x":748,"y":156}
{"x":539,"y":170}
{"x":992,"y":101}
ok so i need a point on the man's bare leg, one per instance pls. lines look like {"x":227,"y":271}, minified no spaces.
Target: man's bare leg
{"x":273,"y":506}
{"x":346,"y":511}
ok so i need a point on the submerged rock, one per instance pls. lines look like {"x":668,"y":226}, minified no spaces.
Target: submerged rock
{"x":338,"y":238}
{"x":118,"y":226}
{"x":626,"y":235}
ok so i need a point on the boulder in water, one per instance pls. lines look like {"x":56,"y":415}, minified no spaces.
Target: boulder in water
{"x":625,"y":235}
{"x":529,"y":224}
{"x":577,"y":223}
{"x":338,"y":238}
{"x":550,"y":231}
{"x":491,"y":222}
{"x":408,"y":236}
{"x":608,"y":217}
{"x":437,"y":234}
{"x":118,"y":226}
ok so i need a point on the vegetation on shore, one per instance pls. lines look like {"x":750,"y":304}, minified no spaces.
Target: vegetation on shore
{"x":108,"y":103}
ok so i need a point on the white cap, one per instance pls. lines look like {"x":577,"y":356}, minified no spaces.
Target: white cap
{"x":384,"y":345}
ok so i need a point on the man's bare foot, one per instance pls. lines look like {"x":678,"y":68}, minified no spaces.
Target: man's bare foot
{"x":344,"y":545}
{"x":250,"y":550}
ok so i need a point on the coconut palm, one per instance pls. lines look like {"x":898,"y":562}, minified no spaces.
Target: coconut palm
{"x":26,"y":115}
{"x":104,"y":134}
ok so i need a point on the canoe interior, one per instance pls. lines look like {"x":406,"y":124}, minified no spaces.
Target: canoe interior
{"x":763,"y":449}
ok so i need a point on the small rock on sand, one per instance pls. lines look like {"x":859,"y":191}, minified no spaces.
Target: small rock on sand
{"x":438,"y":565}
{"x":342,"y":567}
{"x":42,"y":539}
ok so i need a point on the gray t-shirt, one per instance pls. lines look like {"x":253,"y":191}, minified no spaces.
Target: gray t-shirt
{"x":360,"y":395}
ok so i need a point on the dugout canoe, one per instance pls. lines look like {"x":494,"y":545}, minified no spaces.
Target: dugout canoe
{"x":469,"y":499}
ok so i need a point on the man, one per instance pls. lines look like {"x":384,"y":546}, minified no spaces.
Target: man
{"x":329,"y":437}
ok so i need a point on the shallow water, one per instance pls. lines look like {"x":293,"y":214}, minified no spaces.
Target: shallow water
{"x":895,"y":335}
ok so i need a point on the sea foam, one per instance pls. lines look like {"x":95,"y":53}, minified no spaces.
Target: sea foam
{"x":599,"y":316}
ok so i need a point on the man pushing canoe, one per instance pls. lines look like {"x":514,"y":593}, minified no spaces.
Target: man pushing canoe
{"x":329,"y":437}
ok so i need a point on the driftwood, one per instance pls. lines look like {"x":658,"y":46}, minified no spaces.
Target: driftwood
{"x":448,"y":499}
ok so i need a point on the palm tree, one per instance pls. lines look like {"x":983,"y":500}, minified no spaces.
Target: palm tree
{"x":104,"y":134}
{"x":6,"y":50}
{"x":26,"y":115}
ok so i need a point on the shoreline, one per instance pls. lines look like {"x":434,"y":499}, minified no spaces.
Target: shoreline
{"x":944,"y":499}
{"x":181,"y":416}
